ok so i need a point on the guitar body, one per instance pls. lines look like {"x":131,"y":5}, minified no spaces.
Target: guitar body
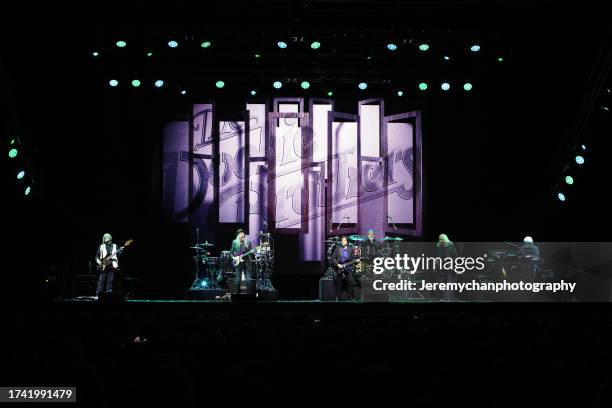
{"x":110,"y":258}
{"x":347,"y":267}
{"x":237,"y":260}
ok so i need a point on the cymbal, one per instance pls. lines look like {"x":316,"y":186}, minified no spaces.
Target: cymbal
{"x":357,"y":238}
{"x":206,"y":244}
{"x":393,"y":239}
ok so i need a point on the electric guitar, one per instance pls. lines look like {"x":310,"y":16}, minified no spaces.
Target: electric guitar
{"x":346,"y":267}
{"x":238,"y":259}
{"x":108,"y":259}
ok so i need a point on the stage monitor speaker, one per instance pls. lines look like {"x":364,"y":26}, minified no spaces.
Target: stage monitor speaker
{"x":248,"y":288}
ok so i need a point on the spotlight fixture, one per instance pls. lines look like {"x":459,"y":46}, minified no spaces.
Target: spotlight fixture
{"x":475,"y":48}
{"x":205,"y":44}
{"x":121,"y":44}
{"x":113,"y":82}
{"x":277,"y":84}
{"x":159,"y":83}
{"x":282,"y":44}
{"x":172,"y":44}
{"x":423,"y":47}
{"x":391,"y":47}
{"x":136,"y":83}
{"x":219,"y":84}
{"x":445,"y":86}
{"x":362,"y":86}
{"x":305,"y":84}
{"x":467,"y":86}
{"x":423,"y":86}
{"x":315,"y":45}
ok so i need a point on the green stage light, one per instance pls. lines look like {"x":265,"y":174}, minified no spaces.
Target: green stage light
{"x":315,"y":45}
{"x":13,"y":153}
{"x":121,"y":44}
{"x":219,"y":84}
{"x":423,"y":86}
{"x":569,"y":180}
{"x":330,"y":93}
{"x":27,"y":190}
{"x":205,"y":44}
{"x":467,"y":86}
{"x":20,"y":175}
{"x":305,"y":84}
{"x":136,"y":83}
{"x":424,"y":47}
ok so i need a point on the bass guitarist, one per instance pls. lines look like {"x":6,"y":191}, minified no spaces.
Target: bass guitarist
{"x":343,"y":262}
{"x":107,"y":259}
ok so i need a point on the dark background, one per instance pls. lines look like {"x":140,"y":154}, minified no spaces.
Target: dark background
{"x":492,"y":157}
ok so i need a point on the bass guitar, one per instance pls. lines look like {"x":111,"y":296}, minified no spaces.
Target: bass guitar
{"x":108,"y":259}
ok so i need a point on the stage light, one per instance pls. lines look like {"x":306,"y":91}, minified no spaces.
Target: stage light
{"x":203,"y":283}
{"x":475,"y":48}
{"x":20,"y":175}
{"x":400,"y":93}
{"x":149,"y":54}
{"x":183,"y":92}
{"x":136,"y":83}
{"x":500,"y":59}
{"x":362,"y":86}
{"x":13,"y":153}
{"x":305,"y":84}
{"x":423,"y":86}
{"x":113,"y":82}
{"x":467,"y":86}
{"x":172,"y":44}
{"x":445,"y":86}
{"x":606,"y":108}
{"x":27,"y":190}
{"x":159,"y":83}
{"x":205,"y":44}
{"x":121,"y":44}
{"x":424,"y":47}
{"x":583,"y":147}
{"x":391,"y":47}
{"x":561,"y":197}
{"x":569,"y":180}
{"x":253,"y":93}
{"x":277,"y":84}
{"x":330,"y":93}
{"x":281,"y":44}
{"x":579,"y":160}
{"x":257,"y":55}
{"x":219,"y":84}
{"x":315,"y":45}
{"x":95,"y":53}
{"x":446,"y":58}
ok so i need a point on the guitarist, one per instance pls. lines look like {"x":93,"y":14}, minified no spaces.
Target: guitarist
{"x":241,"y":245}
{"x":107,"y":275}
{"x":341,"y":257}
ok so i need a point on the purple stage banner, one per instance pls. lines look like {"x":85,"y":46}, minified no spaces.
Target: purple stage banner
{"x":308,"y":170}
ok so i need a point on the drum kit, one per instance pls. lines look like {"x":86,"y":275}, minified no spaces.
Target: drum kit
{"x":206,"y":267}
{"x":213,"y":272}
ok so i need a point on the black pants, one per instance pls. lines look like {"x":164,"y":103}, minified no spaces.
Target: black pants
{"x":340,"y":281}
{"x":243,"y":267}
{"x":105,"y":280}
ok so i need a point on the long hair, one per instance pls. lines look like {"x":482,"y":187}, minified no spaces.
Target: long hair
{"x":107,"y":235}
